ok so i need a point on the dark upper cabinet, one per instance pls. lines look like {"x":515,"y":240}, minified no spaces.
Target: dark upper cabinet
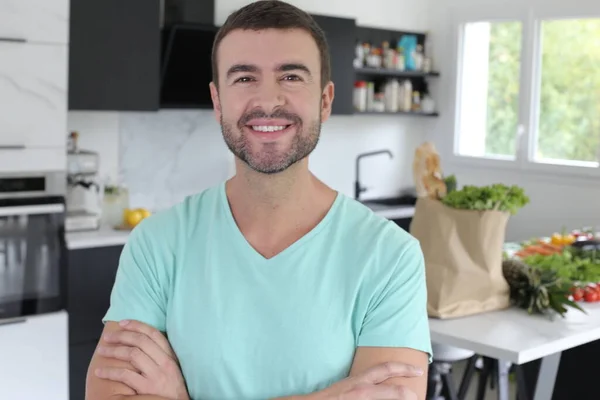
{"x":114,"y":57}
{"x":189,"y":12}
{"x":341,"y":37}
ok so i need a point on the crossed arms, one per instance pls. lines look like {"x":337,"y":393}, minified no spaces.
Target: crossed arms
{"x":136,"y":362}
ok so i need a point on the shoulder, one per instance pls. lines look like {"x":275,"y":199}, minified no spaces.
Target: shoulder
{"x":170,"y":226}
{"x":383,"y":237}
{"x":384,"y":254}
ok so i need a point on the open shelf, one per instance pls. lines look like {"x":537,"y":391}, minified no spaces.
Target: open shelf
{"x":394,"y":73}
{"x":415,"y":113}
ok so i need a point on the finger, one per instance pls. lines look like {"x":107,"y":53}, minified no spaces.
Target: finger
{"x":383,"y":372}
{"x":136,"y":357}
{"x":151,"y":332}
{"x":141,"y":341}
{"x":388,"y":392}
{"x":123,"y":375}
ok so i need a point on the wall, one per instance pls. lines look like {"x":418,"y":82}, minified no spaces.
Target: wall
{"x":556,"y":201}
{"x":164,"y":156}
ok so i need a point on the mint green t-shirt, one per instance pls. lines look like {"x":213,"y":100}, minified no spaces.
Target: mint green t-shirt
{"x":245,"y":327}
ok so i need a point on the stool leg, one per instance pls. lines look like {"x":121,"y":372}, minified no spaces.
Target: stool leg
{"x":522,"y":393}
{"x":433,"y":380}
{"x":448,"y":388}
{"x":467,"y":377}
{"x":484,"y":374}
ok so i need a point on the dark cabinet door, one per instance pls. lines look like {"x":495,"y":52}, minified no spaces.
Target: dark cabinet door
{"x":91,"y":277}
{"x":79,"y":360}
{"x":341,"y":37}
{"x":114,"y":57}
{"x":190,"y":11}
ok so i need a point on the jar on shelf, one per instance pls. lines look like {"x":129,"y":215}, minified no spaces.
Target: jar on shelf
{"x":378,"y":102}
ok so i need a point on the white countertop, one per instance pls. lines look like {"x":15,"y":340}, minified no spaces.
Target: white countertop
{"x":99,"y":238}
{"x":393,"y":212}
{"x":515,"y":336}
{"x":106,"y":236}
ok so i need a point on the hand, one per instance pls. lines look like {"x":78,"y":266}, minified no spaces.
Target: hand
{"x":149,"y":352}
{"x":367,"y":386}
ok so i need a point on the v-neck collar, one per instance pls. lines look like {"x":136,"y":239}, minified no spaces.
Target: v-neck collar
{"x":255,"y":255}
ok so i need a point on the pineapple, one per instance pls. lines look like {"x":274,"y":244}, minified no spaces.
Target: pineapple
{"x":538,"y":291}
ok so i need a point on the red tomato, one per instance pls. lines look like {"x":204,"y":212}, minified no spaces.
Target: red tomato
{"x":590,"y":295}
{"x":578,"y":294}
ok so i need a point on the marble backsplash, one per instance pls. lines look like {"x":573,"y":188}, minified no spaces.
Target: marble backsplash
{"x":167,"y":156}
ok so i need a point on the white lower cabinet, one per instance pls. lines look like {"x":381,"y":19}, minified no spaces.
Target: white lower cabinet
{"x":34,"y":358}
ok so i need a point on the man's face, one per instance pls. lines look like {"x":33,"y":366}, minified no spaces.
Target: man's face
{"x":269,"y":99}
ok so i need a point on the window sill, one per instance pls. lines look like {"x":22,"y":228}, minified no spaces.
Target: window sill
{"x":526,"y":168}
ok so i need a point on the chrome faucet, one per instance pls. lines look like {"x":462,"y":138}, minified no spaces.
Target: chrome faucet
{"x":358,"y":189}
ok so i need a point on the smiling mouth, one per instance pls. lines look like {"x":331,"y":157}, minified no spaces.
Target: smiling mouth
{"x":269,"y":128}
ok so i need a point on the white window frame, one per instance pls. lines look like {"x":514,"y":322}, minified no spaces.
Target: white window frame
{"x":530,"y":83}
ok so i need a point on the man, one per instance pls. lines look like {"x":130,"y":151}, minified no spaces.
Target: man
{"x":271,"y":284}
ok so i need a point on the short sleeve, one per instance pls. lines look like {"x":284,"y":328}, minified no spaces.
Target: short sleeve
{"x":397,"y":316}
{"x":139,"y":289}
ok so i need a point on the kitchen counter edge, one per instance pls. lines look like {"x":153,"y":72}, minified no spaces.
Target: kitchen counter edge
{"x":105,"y":237}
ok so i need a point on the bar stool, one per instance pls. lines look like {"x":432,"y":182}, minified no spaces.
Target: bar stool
{"x":441,"y":382}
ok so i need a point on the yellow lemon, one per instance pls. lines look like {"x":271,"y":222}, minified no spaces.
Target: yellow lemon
{"x":133,"y":217}
{"x":145,"y":213}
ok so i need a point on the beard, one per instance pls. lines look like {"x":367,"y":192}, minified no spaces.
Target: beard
{"x":270,"y":158}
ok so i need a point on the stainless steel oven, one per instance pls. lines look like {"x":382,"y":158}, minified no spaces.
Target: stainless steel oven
{"x":33,"y":253}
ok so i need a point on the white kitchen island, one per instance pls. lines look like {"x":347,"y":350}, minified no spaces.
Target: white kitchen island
{"x":513,"y":336}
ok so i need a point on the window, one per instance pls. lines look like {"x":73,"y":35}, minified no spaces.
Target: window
{"x":489,"y":98}
{"x":568,"y":130}
{"x":537,"y":77}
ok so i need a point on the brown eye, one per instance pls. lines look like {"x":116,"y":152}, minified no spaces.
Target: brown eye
{"x":292,"y":78}
{"x":244,"y":79}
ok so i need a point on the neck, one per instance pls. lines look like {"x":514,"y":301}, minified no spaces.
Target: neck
{"x":270,"y":194}
{"x":273,"y":211}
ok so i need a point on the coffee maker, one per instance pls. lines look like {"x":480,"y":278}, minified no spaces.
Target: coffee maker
{"x":84,"y":199}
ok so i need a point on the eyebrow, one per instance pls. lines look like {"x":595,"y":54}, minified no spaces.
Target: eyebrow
{"x":293,"y":67}
{"x":241,"y":68}
{"x":281,"y":68}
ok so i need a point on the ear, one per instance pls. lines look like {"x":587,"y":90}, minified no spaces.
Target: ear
{"x":327,"y":101}
{"x":214,"y":95}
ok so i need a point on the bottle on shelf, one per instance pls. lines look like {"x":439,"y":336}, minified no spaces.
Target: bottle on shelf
{"x":400,"y":59}
{"x":391,"y":90}
{"x":360,"y":96}
{"x":419,"y":56}
{"x":370,"y":95}
{"x":405,"y":95}
{"x":416,"y":101}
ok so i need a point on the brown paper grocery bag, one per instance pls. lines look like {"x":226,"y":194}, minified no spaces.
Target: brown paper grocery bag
{"x":463,"y":258}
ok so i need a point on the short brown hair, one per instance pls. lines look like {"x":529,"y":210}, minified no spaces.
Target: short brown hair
{"x":273,"y":14}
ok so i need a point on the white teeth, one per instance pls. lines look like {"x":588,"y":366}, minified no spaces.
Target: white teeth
{"x":268,"y":128}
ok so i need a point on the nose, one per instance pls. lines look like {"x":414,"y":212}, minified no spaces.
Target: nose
{"x":269,"y":96}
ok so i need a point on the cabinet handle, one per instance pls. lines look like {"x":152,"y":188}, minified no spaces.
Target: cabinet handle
{"x":12,"y":146}
{"x":11,"y":321}
{"x":13,"y":40}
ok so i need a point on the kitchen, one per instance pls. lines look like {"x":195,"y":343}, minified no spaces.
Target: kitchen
{"x":163,"y":154}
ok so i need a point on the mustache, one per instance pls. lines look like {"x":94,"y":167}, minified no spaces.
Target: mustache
{"x":279,"y":113}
